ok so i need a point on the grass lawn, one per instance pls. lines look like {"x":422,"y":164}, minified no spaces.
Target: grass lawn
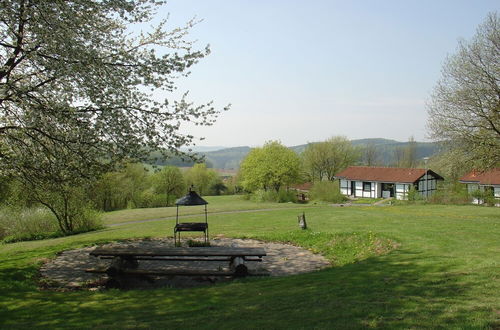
{"x":366,"y":200}
{"x":215,"y":204}
{"x":444,"y":274}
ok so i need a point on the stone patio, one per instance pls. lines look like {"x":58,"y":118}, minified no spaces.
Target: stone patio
{"x":67,"y":270}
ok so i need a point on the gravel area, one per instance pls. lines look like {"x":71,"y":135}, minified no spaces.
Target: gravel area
{"x":67,"y":270}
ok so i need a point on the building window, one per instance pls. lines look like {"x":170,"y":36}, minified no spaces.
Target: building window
{"x":367,"y":186}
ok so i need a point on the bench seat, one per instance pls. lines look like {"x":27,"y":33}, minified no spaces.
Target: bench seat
{"x":179,"y":252}
{"x":191,"y":226}
{"x":174,"y":272}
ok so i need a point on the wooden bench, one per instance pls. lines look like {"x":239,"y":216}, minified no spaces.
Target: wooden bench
{"x":126,"y":260}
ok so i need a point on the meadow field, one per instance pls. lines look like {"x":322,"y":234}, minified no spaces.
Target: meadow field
{"x":443,"y":273}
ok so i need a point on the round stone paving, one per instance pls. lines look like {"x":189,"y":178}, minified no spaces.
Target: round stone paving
{"x":67,"y":270}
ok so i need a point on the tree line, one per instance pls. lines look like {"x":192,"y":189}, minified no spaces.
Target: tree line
{"x":133,"y":186}
{"x":274,"y":166}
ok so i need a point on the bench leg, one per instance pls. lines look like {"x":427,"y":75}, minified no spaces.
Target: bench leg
{"x":177,"y":238}
{"x":237,"y":265}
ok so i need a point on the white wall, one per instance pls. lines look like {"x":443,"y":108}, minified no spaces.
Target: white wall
{"x":473,"y":187}
{"x":344,"y":187}
{"x":402,"y":190}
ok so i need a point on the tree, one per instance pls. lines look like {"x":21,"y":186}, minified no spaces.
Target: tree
{"x":313,"y":161}
{"x":218,"y":187}
{"x":399,"y":156}
{"x":322,"y":160}
{"x":134,"y":180}
{"x":72,"y":74}
{"x":201,"y":177}
{"x":49,"y":180}
{"x":270,"y":167}
{"x":169,"y":181}
{"x":465,"y":105}
{"x":450,"y":164}
{"x":79,"y":92}
{"x":108,"y":192}
{"x":410,"y":154}
{"x":371,"y":155}
{"x":406,"y":155}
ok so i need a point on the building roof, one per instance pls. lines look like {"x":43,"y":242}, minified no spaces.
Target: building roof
{"x":384,"y":174}
{"x":482,"y":177}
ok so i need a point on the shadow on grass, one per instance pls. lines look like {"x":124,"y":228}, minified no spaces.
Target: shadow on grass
{"x":400,"y":290}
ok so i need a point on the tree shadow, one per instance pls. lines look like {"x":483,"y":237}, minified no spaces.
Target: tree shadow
{"x":400,"y":290}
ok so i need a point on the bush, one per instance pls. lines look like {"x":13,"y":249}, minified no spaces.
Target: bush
{"x":450,"y":196}
{"x":485,"y":197}
{"x":450,"y":193}
{"x":26,"y":224}
{"x":87,"y":220}
{"x":327,"y":191}
{"x":36,"y":223}
{"x":148,"y":198}
{"x":414,"y":195}
{"x":282,"y":196}
{"x":247,"y":196}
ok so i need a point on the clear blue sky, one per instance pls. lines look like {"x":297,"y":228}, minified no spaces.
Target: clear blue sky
{"x":302,"y":71}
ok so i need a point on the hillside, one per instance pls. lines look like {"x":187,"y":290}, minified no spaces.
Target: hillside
{"x":230,"y":158}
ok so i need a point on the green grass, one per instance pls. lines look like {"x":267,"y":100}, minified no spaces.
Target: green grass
{"x":215,"y":204}
{"x":366,"y":200}
{"x":443,"y":275}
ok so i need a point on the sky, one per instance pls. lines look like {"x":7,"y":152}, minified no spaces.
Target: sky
{"x":303,"y":71}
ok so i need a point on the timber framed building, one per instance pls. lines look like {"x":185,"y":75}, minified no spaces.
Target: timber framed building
{"x":486,"y":181}
{"x":376,"y":182}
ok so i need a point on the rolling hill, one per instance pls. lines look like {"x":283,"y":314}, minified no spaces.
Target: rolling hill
{"x":230,"y":158}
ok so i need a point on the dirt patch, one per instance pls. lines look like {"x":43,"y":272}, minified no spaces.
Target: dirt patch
{"x":67,"y":270}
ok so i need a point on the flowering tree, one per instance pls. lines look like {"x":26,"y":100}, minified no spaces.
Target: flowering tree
{"x":76,"y":88}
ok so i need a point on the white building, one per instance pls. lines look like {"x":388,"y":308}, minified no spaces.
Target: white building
{"x":486,"y":181}
{"x":376,"y":182}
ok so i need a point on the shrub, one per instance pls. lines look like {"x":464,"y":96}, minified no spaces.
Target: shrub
{"x":485,"y":196}
{"x":148,"y":198}
{"x":247,"y":196}
{"x":287,"y":196}
{"x":26,"y":224}
{"x":450,"y":195}
{"x":414,"y":195}
{"x":282,"y":196}
{"x":327,"y":191}
{"x":87,"y":220}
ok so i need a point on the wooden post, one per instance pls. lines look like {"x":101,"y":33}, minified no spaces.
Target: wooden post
{"x":238,"y":267}
{"x":119,"y":264}
{"x":302,"y":221}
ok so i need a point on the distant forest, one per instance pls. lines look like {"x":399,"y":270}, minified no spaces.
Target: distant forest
{"x":230,"y":158}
